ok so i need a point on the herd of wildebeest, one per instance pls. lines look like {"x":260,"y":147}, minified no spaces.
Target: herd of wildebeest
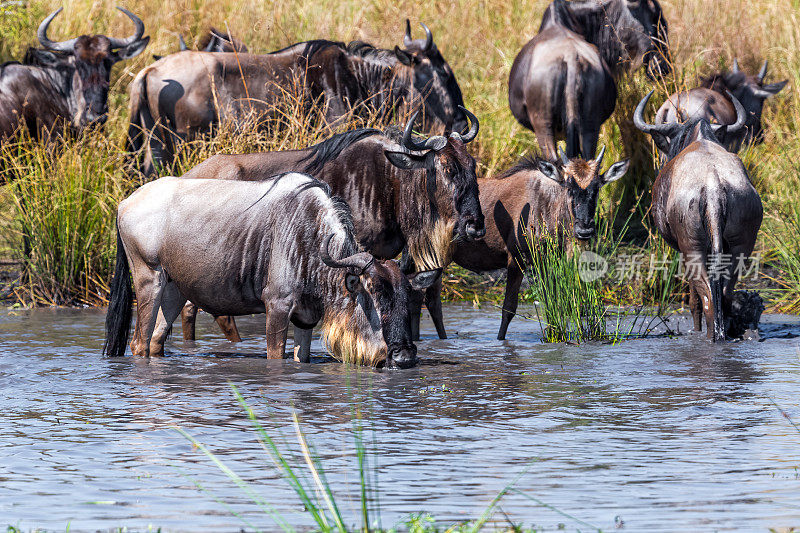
{"x":311,"y":236}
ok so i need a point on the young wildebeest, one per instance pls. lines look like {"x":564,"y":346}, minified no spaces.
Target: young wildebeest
{"x":66,"y":84}
{"x":184,"y":95}
{"x":704,"y":206}
{"x":534,"y":197}
{"x":403,"y":192}
{"x":561,"y":84}
{"x":282,"y":246}
{"x":711,"y":102}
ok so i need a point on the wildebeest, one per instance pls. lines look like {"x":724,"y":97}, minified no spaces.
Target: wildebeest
{"x":213,"y":40}
{"x":704,"y":206}
{"x":282,"y":246}
{"x":185,"y":94}
{"x":66,"y":83}
{"x":560,"y":86}
{"x":533,"y":198}
{"x":421,"y":195}
{"x":710,"y":101}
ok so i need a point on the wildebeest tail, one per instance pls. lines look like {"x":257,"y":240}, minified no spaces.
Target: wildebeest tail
{"x":141,"y":120}
{"x":714,"y":225}
{"x":120,"y":308}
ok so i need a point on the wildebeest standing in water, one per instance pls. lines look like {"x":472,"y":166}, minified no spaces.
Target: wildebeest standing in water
{"x":562,"y":85}
{"x":704,"y":206}
{"x":183,"y":95}
{"x":403,"y":192}
{"x":528,"y":201}
{"x":66,"y":83}
{"x":710,"y":101}
{"x":282,"y":246}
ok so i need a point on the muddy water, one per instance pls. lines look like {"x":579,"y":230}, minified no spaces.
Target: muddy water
{"x":661,"y":434}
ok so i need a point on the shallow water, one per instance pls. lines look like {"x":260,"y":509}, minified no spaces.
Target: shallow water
{"x":663,"y":434}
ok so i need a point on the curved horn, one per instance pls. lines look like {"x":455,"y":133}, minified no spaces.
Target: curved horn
{"x":599,"y":159}
{"x":638,"y":119}
{"x":564,"y":158}
{"x":428,"y":37}
{"x":62,"y":46}
{"x":763,"y":73}
{"x":356,"y":263}
{"x":741,"y":116}
{"x":473,"y":129}
{"x":122,"y":43}
{"x":435,"y":143}
{"x":212,"y":41}
{"x":182,"y":43}
{"x":735,"y":68}
{"x":407,"y":40}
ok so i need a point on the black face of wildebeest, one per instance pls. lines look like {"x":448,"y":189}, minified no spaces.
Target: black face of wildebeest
{"x":582,"y":181}
{"x":90,"y":58}
{"x":434,"y":80}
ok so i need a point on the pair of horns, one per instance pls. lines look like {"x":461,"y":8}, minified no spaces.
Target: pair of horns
{"x":437,"y":142}
{"x":355,"y":264}
{"x":761,"y":74}
{"x":408,"y":41}
{"x":598,"y":161}
{"x":669,"y":130}
{"x":67,"y":46}
{"x":216,"y":36}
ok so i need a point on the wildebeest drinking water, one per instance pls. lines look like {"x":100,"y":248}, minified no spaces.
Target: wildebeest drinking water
{"x":66,"y":83}
{"x":562,"y":85}
{"x":184,"y":95}
{"x":281,"y":246}
{"x":532,"y":199}
{"x":710,"y":101}
{"x":704,"y":206}
{"x":403,"y":192}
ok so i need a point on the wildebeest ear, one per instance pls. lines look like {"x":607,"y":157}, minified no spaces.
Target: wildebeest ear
{"x":351,"y":281}
{"x":771,"y":89}
{"x":423,"y":280}
{"x":403,"y":56}
{"x":616,"y":171}
{"x":549,"y":170}
{"x":406,"y":161}
{"x":133,"y":49}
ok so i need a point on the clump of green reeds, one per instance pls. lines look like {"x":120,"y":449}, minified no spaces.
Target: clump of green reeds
{"x":787,"y":249}
{"x":65,"y":193}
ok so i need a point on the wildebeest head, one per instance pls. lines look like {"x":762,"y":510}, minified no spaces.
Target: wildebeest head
{"x":751,"y":91}
{"x":448,"y":162}
{"x":217,"y":41}
{"x":381,"y":324}
{"x":646,"y":36}
{"x":434,"y":82}
{"x":89,"y":59}
{"x":582,"y":181}
{"x":673,"y":137}
{"x":745,"y":313}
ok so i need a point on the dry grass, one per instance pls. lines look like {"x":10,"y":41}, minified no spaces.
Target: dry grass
{"x":480,"y":41}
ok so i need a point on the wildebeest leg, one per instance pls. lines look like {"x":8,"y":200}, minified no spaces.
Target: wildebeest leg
{"x":705,"y":302}
{"x":149,"y":286}
{"x":171,"y":304}
{"x":228,"y":326}
{"x":188,"y":318}
{"x":433,"y":301}
{"x":415,"y":298}
{"x":545,"y":136}
{"x":278,"y":314}
{"x":695,"y":308}
{"x":513,"y":282}
{"x":302,"y":344}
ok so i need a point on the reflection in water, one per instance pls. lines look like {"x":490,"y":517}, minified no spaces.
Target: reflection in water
{"x":669,"y":434}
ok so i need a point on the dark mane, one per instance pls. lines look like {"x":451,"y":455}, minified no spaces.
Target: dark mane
{"x":310,"y":48}
{"x":527,"y":163}
{"x":560,"y":14}
{"x":368,"y":51}
{"x":686,"y":135}
{"x":722,"y":81}
{"x":329,"y":149}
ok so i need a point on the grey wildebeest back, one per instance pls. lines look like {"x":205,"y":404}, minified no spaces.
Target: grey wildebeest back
{"x":532,"y":199}
{"x":66,"y":83}
{"x":403,"y":192}
{"x":560,"y":86}
{"x":281,"y":246}
{"x":710,"y":101}
{"x":183,"y":95}
{"x":704,"y":206}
